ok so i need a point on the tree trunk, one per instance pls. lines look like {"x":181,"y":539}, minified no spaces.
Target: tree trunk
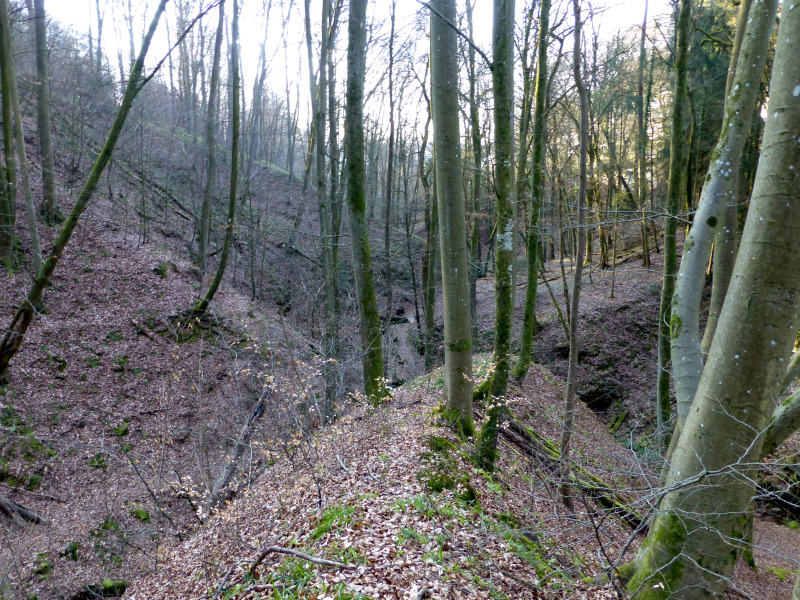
{"x":8,"y":209}
{"x":211,"y":145}
{"x":15,"y":334}
{"x":574,"y":342}
{"x":8,"y":65}
{"x":452,"y":218}
{"x":677,"y":155}
{"x":694,"y":542}
{"x":202,"y":306}
{"x":640,"y":181}
{"x":739,"y":106}
{"x":477,"y":155}
{"x":429,"y":258}
{"x":371,"y":347}
{"x":387,"y":255}
{"x":503,"y":88}
{"x":530,"y":324}
{"x":49,"y":208}
{"x":725,"y":236}
{"x":333,"y":307}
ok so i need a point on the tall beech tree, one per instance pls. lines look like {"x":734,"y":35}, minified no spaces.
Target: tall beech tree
{"x":371,"y":346}
{"x":687,"y":359}
{"x":8,"y":193}
{"x":477,"y":178}
{"x":15,"y":334}
{"x":693,"y":543}
{"x":387,"y":220}
{"x":201,"y":307}
{"x":530,"y":325}
{"x":10,"y":79}
{"x":677,"y":162}
{"x":724,"y":251}
{"x":577,"y":279}
{"x":452,"y":218}
{"x":211,"y":145}
{"x":503,"y":88}
{"x":49,"y":207}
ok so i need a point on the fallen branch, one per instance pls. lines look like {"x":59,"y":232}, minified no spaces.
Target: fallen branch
{"x":18,"y":513}
{"x":411,"y":403}
{"x":300,"y":555}
{"x":241,"y":445}
{"x":547,"y":453}
{"x":342,"y":465}
{"x":141,"y":330}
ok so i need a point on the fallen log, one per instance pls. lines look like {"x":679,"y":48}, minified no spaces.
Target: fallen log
{"x":18,"y":513}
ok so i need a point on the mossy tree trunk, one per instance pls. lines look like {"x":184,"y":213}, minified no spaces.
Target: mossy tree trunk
{"x":452,"y":218}
{"x":8,"y":200}
{"x":7,"y":64}
{"x":530,"y":325}
{"x":49,"y":206}
{"x":387,"y":222}
{"x":677,"y":154}
{"x":503,"y":89}
{"x":326,"y":203}
{"x":687,"y":357}
{"x":371,"y":346}
{"x":15,"y":333}
{"x":693,"y":543}
{"x":201,"y":307}
{"x":574,"y":342}
{"x":639,"y":173}
{"x":211,"y":145}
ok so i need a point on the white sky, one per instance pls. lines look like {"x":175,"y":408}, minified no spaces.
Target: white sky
{"x":77,"y":14}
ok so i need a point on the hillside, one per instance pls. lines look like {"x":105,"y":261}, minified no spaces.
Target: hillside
{"x":118,"y":424}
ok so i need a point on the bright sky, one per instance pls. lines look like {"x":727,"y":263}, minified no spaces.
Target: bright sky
{"x":77,"y":14}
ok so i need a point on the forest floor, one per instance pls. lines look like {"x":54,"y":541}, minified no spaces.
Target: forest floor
{"x":117,"y":421}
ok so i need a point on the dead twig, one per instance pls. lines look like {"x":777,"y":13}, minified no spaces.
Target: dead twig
{"x":303,"y":556}
{"x":342,"y":465}
{"x":142,"y":330}
{"x":37,"y":494}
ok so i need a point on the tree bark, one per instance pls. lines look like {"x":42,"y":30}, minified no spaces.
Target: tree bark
{"x":8,"y":206}
{"x":639,"y":173}
{"x":202,"y":305}
{"x":387,"y":229}
{"x":371,"y":346}
{"x":49,"y":207}
{"x":452,"y":218}
{"x":505,"y":192}
{"x":477,"y":172}
{"x":530,"y":324}
{"x":739,"y":106}
{"x":211,"y":145}
{"x":725,"y":236}
{"x":694,"y":541}
{"x":574,"y":342}
{"x":430,"y":257}
{"x":677,"y":154}
{"x":7,"y":60}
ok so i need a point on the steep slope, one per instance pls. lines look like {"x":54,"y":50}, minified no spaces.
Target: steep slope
{"x":117,"y":420}
{"x":392,"y":495}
